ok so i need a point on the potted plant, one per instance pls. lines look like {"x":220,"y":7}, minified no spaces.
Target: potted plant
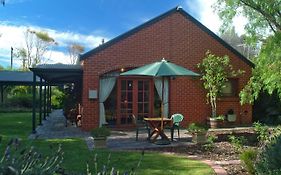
{"x":217,"y":122}
{"x":198,"y":132}
{"x":100,"y":135}
{"x":215,"y":71}
{"x":231,"y":117}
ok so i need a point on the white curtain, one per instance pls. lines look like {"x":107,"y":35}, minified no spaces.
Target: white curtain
{"x":106,"y":86}
{"x":158,"y":84}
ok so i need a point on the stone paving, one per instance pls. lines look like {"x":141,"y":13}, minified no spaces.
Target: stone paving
{"x":54,"y":128}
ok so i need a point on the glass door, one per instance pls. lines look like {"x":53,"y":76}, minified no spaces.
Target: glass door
{"x":135,"y":97}
{"x":143,"y":101}
{"x":126,"y":103}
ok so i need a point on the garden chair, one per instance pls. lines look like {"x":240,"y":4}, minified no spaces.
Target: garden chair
{"x":79,"y":115}
{"x":177,"y":119}
{"x":140,"y":125}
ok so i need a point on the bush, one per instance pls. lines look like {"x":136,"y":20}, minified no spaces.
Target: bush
{"x":248,"y":157}
{"x":262,"y":131}
{"x":27,"y":161}
{"x":100,"y":132}
{"x":268,"y":161}
{"x":21,"y":100}
{"x":57,"y":98}
{"x":237,"y":142}
{"x":194,"y":127}
{"x":210,"y":144}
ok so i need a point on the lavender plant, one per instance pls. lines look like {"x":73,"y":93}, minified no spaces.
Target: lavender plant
{"x":27,"y":161}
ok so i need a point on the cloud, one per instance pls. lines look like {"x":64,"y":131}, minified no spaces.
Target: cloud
{"x":13,"y":36}
{"x":15,"y":1}
{"x":209,"y":18}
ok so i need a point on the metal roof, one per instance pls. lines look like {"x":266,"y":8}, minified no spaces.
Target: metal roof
{"x":17,"y":78}
{"x":59,"y":73}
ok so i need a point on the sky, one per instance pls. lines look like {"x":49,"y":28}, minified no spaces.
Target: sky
{"x":87,"y":22}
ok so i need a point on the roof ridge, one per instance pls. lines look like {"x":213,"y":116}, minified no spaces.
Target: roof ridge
{"x":128,"y":33}
{"x":158,"y":18}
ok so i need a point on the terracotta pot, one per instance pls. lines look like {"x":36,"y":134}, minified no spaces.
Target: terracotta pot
{"x":215,"y":123}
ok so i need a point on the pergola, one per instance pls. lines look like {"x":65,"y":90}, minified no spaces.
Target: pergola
{"x":50,"y":75}
{"x":17,"y":78}
{"x":46,"y":75}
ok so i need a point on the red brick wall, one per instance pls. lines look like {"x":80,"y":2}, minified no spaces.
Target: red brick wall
{"x":179,"y":41}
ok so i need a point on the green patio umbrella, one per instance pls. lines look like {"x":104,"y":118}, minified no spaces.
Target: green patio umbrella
{"x":162,"y":69}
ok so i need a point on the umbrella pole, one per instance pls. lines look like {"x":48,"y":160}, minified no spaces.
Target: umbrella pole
{"x":162,"y":106}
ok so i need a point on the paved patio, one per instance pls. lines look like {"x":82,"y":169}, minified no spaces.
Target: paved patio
{"x":54,"y":128}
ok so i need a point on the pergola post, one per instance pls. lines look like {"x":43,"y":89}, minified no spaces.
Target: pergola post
{"x":34,"y":104}
{"x":2,"y":94}
{"x":47,"y":100}
{"x":50,"y":99}
{"x":44,"y":100}
{"x":40,"y":102}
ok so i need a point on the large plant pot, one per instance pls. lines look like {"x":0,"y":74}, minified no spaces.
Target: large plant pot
{"x":214,"y":123}
{"x":100,"y":142}
{"x":231,"y":117}
{"x":199,"y":137}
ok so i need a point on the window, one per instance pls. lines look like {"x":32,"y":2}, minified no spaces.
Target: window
{"x":231,"y":88}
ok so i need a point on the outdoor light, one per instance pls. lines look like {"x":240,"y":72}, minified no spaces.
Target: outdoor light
{"x":122,"y":69}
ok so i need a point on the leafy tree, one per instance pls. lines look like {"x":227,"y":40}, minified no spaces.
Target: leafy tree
{"x":74,"y":50}
{"x":215,"y":71}
{"x":22,"y":55}
{"x":264,"y":26}
{"x":239,"y":43}
{"x":36,"y":45}
{"x":263,"y":16}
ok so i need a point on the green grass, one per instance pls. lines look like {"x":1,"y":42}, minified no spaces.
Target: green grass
{"x":76,"y":153}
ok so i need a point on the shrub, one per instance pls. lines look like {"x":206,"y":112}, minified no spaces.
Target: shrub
{"x":25,"y":161}
{"x":107,"y":170}
{"x":237,"y":142}
{"x":268,"y":161}
{"x":262,"y":131}
{"x":194,"y":127}
{"x":248,"y":157}
{"x":21,"y":100}
{"x":209,"y":145}
{"x":57,"y":98}
{"x":100,"y":132}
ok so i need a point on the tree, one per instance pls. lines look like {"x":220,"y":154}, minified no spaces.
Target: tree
{"x":22,"y":55}
{"x":264,"y":26}
{"x":215,"y":71}
{"x":36,"y":45}
{"x":263,"y":16}
{"x":238,"y":42}
{"x":74,"y":50}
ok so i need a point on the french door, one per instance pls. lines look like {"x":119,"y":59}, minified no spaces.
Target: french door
{"x":134,"y":97}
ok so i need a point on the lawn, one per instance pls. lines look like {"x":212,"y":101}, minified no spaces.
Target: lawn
{"x":76,"y":153}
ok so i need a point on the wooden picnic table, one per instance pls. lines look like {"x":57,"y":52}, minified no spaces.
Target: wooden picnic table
{"x":155,"y":125}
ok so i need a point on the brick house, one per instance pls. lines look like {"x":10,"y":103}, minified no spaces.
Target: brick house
{"x":181,"y":39}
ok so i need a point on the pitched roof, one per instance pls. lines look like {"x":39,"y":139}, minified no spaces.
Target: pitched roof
{"x":158,"y":18}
